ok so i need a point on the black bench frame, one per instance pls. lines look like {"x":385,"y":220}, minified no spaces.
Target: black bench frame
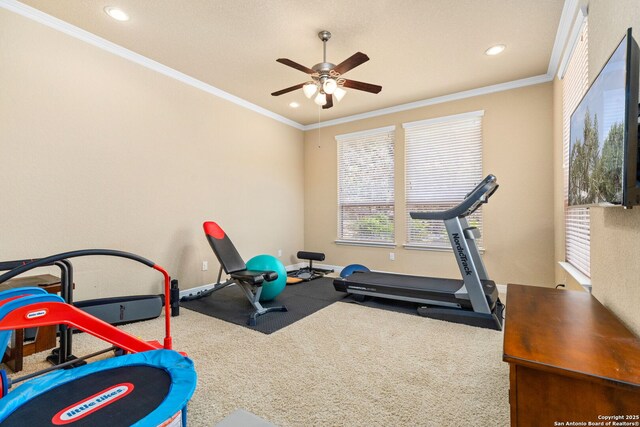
{"x":250,"y":281}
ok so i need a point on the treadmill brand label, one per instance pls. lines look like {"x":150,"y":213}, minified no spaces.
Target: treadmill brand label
{"x":91,"y":404}
{"x":463,"y":257}
{"x":360,"y":288}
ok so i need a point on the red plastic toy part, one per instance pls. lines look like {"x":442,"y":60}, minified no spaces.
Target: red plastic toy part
{"x":104,"y":252}
{"x":56,"y":313}
{"x":168,"y":342}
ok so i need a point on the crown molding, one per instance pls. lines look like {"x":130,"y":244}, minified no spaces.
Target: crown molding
{"x":529,"y":81}
{"x":87,"y":37}
{"x":562,"y":35}
{"x":572,"y":40}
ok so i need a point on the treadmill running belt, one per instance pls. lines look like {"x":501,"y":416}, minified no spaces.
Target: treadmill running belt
{"x":143,"y":389}
{"x":427,"y":284}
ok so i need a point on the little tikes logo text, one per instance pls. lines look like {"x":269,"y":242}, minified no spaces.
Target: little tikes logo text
{"x":35,"y":314}
{"x":91,"y":404}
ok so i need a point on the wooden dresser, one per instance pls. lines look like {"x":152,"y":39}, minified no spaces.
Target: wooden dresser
{"x":571,"y":360}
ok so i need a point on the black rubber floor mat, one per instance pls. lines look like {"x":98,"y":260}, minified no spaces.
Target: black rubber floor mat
{"x":302,"y":299}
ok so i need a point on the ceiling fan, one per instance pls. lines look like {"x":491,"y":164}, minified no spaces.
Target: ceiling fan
{"x":327,"y":81}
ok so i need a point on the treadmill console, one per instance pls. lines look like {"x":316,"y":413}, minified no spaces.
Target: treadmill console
{"x":472,"y":201}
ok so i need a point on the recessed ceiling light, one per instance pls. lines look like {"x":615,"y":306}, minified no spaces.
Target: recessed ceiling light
{"x":117,"y":14}
{"x":494,"y":50}
{"x":294,"y":105}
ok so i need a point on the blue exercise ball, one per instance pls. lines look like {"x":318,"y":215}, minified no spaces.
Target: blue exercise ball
{"x":272,"y":289}
{"x":350,"y":269}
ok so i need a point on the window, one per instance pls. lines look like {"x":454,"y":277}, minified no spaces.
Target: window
{"x":443,"y":163}
{"x":366,"y":186}
{"x":575,"y":83}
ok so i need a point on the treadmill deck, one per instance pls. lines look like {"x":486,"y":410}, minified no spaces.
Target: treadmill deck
{"x":416,"y":288}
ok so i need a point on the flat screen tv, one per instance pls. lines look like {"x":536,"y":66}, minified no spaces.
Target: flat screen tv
{"x":603,"y":144}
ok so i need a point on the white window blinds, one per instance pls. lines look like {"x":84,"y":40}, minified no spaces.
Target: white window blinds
{"x":366,"y":186}
{"x":443,"y":163}
{"x":574,"y":85}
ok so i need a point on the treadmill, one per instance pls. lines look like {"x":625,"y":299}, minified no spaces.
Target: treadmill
{"x":472,"y":300}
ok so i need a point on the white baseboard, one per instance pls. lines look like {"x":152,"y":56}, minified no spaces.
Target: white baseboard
{"x":198,"y":289}
{"x":297,"y":266}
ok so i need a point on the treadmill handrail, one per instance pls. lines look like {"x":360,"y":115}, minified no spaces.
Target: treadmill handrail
{"x":476,"y":198}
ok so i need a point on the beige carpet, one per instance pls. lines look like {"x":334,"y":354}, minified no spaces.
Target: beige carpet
{"x":346,"y":365}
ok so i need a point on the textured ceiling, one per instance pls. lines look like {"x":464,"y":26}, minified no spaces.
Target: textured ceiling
{"x":418,"y":49}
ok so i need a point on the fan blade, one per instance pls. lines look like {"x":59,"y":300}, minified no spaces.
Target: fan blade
{"x":287,"y":90}
{"x":367,"y":87}
{"x":350,"y":63}
{"x":329,"y":102}
{"x":295,"y":65}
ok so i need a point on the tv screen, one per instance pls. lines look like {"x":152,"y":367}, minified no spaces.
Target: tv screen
{"x":603,"y":145}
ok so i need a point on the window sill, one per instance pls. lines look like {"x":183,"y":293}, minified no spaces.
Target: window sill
{"x":416,"y":247}
{"x":364,"y":243}
{"x":577,"y":275}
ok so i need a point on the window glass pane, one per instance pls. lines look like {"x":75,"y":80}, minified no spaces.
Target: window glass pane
{"x":366,"y":186}
{"x":443,"y":163}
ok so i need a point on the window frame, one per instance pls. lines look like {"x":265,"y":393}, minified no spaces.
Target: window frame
{"x":576,"y":227}
{"x":355,"y":137}
{"x":421,"y":124}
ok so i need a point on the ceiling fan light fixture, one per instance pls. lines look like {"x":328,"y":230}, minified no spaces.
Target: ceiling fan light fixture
{"x":329,"y":86}
{"x":320,"y":99}
{"x":327,"y":81}
{"x":309,"y":89}
{"x":339,"y":93}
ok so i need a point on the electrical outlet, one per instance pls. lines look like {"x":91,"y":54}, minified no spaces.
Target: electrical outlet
{"x":392,"y":256}
{"x":205,"y":265}
{"x":279,"y":252}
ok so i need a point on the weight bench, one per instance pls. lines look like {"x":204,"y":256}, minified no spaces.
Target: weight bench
{"x":250,"y":281}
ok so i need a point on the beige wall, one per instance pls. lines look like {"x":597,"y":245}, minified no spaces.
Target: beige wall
{"x":518,"y":221}
{"x":615,"y":232}
{"x":100,"y":152}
